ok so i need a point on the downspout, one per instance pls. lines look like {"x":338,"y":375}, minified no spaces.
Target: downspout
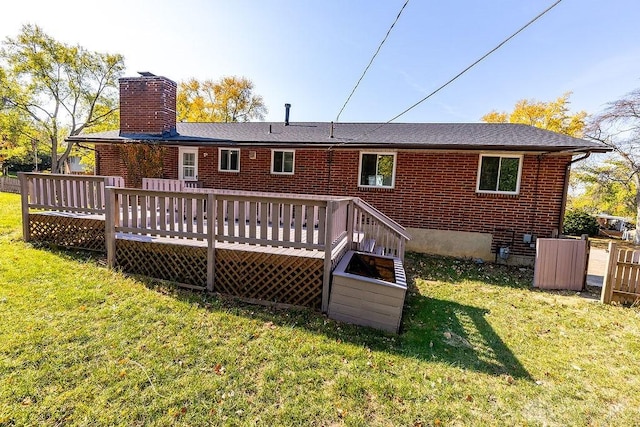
{"x":566,"y":189}
{"x":536,"y":189}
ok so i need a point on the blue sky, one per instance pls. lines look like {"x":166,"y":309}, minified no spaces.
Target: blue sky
{"x":311,"y":53}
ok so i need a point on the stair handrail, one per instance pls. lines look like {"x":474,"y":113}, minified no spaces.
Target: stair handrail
{"x":381,"y":217}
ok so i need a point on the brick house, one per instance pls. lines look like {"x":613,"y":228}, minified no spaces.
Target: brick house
{"x":463,"y":189}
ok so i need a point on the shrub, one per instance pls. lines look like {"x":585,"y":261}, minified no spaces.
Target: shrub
{"x":577,"y":223}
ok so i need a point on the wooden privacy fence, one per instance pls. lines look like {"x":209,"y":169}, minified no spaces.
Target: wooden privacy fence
{"x":622,"y":276}
{"x":9,"y":184}
{"x":561,"y":263}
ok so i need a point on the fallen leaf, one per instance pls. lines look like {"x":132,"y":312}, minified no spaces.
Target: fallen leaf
{"x":218,"y":369}
{"x":509,"y":379}
{"x":269,"y":325}
{"x":469,"y":398}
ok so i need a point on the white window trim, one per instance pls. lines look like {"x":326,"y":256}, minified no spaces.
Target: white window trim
{"x":393,"y":173}
{"x":220,"y":149}
{"x":293,"y":166}
{"x":501,"y":155}
{"x":184,"y":150}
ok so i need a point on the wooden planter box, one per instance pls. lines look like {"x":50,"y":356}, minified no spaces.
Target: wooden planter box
{"x":368,"y":301}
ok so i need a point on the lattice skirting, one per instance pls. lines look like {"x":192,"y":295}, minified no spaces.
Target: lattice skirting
{"x":80,"y":233}
{"x":270,"y":277}
{"x":177,"y":263}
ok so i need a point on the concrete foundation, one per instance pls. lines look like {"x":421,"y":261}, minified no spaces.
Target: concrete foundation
{"x":461,"y":244}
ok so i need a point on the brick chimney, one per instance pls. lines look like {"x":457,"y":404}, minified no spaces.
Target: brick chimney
{"x":147,"y":105}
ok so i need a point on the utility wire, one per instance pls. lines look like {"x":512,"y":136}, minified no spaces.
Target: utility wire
{"x":540,"y":15}
{"x":371,"y":62}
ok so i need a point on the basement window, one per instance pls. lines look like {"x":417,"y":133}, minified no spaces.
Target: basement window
{"x":229,"y":160}
{"x":282,"y":162}
{"x":499,"y":174}
{"x":377,"y":170}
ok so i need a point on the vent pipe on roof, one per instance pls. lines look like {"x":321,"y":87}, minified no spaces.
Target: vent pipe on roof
{"x":287,"y":107}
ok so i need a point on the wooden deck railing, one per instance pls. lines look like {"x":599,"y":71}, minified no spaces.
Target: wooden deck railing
{"x":169,"y":209}
{"x":377,"y":232}
{"x":67,"y":193}
{"x":76,"y":194}
{"x":222,"y":216}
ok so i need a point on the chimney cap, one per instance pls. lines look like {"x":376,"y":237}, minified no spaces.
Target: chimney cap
{"x":146,"y":74}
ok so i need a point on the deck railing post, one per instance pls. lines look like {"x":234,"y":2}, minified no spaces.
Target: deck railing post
{"x":350,"y":214}
{"x":111,"y":214}
{"x":328,"y":250}
{"x":211,"y":241}
{"x":24,"y":197}
{"x":607,"y":286}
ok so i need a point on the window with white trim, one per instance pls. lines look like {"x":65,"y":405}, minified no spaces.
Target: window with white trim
{"x":282,"y":162}
{"x":228,"y":160}
{"x":188,"y":164}
{"x":499,"y":174}
{"x":377,"y":170}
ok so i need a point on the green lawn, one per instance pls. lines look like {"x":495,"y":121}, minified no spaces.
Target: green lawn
{"x":82,"y":345}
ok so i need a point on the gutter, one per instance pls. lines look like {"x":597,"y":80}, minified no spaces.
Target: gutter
{"x":203,"y":142}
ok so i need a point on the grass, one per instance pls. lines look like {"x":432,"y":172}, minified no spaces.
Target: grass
{"x":82,"y":345}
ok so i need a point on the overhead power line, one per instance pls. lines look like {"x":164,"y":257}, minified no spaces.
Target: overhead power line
{"x":371,"y":61}
{"x":540,"y":15}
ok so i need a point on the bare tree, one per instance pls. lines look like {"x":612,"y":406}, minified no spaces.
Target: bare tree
{"x":618,"y":127}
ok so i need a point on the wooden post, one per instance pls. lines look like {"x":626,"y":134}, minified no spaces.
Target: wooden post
{"x":585,"y":267}
{"x":211,"y":240}
{"x":328,"y":250}
{"x":607,"y":286}
{"x":110,"y":221}
{"x":350,"y":208}
{"x":401,"y":248}
{"x":24,"y":197}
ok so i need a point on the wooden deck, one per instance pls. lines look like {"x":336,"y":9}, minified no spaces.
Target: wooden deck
{"x":278,"y":248}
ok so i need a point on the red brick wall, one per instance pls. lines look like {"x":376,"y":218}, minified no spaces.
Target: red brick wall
{"x":432,"y":190}
{"x":147,"y":105}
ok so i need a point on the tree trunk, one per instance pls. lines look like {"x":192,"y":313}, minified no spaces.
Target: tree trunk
{"x":636,"y":238}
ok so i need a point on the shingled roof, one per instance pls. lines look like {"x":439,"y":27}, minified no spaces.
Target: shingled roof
{"x":460,"y":136}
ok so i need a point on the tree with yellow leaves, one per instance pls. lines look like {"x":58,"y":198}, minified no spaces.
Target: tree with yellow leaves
{"x":229,"y":99}
{"x":552,"y":115}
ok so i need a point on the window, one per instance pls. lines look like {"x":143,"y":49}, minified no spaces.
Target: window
{"x":377,"y":170}
{"x":188,"y":164}
{"x":229,"y":160}
{"x":499,"y":174}
{"x":282,"y":161}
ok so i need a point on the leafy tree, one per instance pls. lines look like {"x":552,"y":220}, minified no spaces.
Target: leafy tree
{"x":577,"y":223}
{"x":229,"y":99}
{"x":618,"y":127}
{"x":552,"y":115}
{"x":604,"y":187}
{"x":61,"y":89}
